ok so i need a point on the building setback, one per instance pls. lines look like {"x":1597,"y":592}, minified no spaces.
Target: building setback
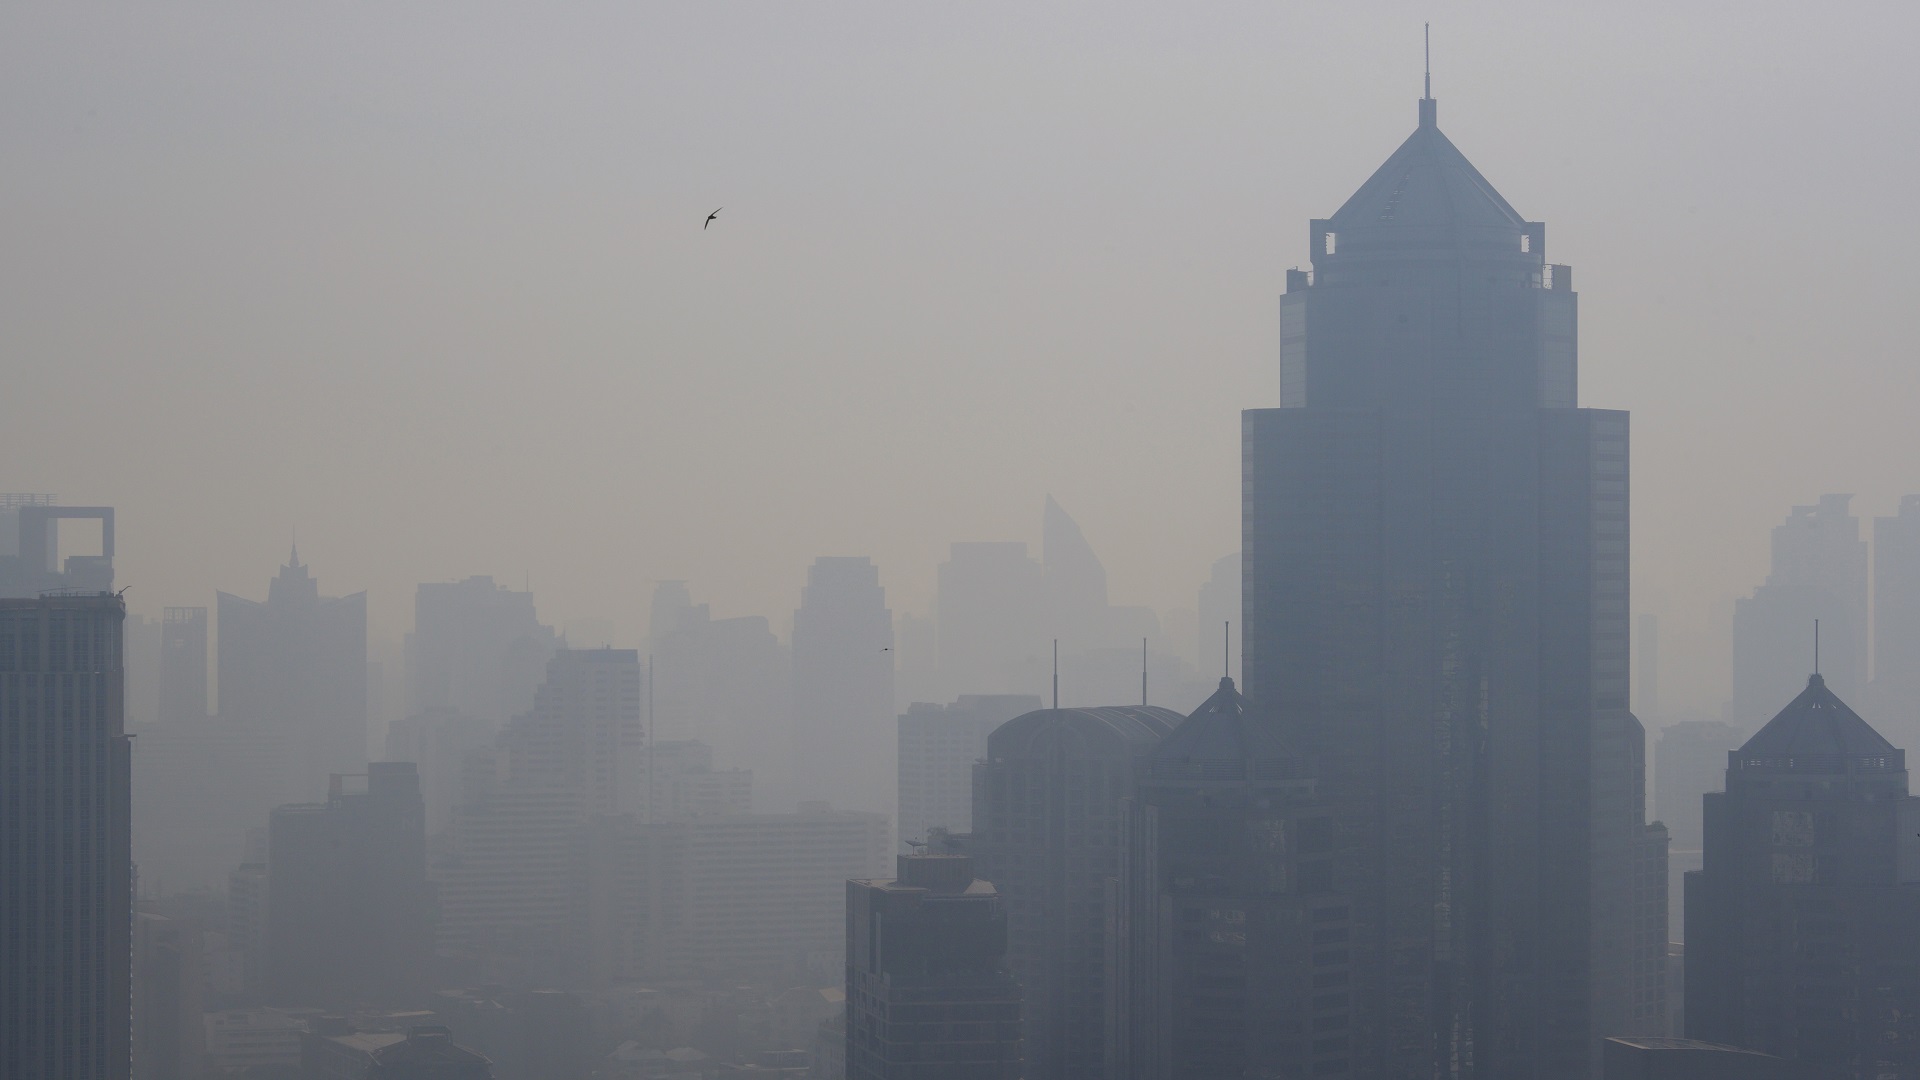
{"x":1435,"y":596}
{"x":66,"y":861}
{"x":1047,"y":807}
{"x":1231,"y":947}
{"x":1803,"y":926}
{"x":929,"y":996}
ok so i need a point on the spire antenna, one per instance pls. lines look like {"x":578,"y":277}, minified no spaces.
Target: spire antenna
{"x":1143,"y":671}
{"x":1816,"y":646}
{"x":1226,"y":650}
{"x":1056,"y":674}
{"x":1427,"y":28}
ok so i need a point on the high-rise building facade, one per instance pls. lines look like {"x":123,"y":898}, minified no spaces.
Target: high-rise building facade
{"x":585,"y":730}
{"x":1231,"y":949}
{"x":66,"y":857}
{"x":30,"y":562}
{"x":989,"y":616}
{"x":1047,"y":806}
{"x":1818,"y":571}
{"x":1803,"y":927}
{"x":297,"y":664}
{"x":1896,"y":620}
{"x":183,"y":665}
{"x":349,"y":912}
{"x":727,"y":683}
{"x":1690,"y":760}
{"x":929,"y":996}
{"x":476,"y":648}
{"x":938,"y":747}
{"x":1436,"y":607}
{"x":843,"y":719}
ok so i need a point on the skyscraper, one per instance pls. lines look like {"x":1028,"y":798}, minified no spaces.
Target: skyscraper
{"x":843,"y":720}
{"x":938,"y":746}
{"x":477,"y":648}
{"x":297,"y":663}
{"x":349,"y":915}
{"x":1819,"y":571}
{"x":1896,"y":620}
{"x":1075,"y":581}
{"x":183,"y":664}
{"x":1803,"y":928}
{"x":66,"y":860}
{"x":1435,"y":546}
{"x":1047,"y":805}
{"x":585,"y":731}
{"x":929,"y":996}
{"x":989,"y":616}
{"x":727,"y":683}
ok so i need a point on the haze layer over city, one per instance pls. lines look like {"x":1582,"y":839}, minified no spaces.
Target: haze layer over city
{"x":866,"y":542}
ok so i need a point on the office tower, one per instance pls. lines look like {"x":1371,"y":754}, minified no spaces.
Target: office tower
{"x":476,"y":648}
{"x":1819,"y":571}
{"x":140,"y":653}
{"x":198,"y":786}
{"x":929,"y":996}
{"x":585,"y":731}
{"x":183,"y":664}
{"x":1646,"y":676}
{"x":1220,"y":618}
{"x":349,"y":912}
{"x":1690,"y":761}
{"x":297,"y":664}
{"x":509,"y":877}
{"x":1896,"y":620}
{"x":1047,"y":805}
{"x":990,"y":616}
{"x":916,"y":660}
{"x":425,"y":1052}
{"x":727,"y":683}
{"x":685,"y":783}
{"x":1436,"y":608}
{"x":843,"y":730}
{"x":1656,"y":1058}
{"x":1075,"y":581}
{"x":439,"y":742}
{"x":66,"y":861}
{"x":30,"y":562}
{"x":169,"y":977}
{"x":1230,"y":944}
{"x":938,"y":747}
{"x":1803,"y":927}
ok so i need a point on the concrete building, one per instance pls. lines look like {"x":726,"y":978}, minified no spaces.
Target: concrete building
{"x":169,"y":981}
{"x":508,"y":877}
{"x":1803,"y":927}
{"x":939,"y":745}
{"x":1819,"y":571}
{"x":477,"y":648}
{"x":1436,"y":607}
{"x":29,"y":547}
{"x":349,"y":911}
{"x":1230,"y":945}
{"x":297,"y":664}
{"x":66,"y":859}
{"x":929,"y":996}
{"x":843,"y":731}
{"x":585,"y":730}
{"x":1047,"y":805}
{"x":183,"y":665}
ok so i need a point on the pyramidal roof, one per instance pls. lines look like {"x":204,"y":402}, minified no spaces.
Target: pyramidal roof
{"x":1428,"y":182}
{"x":1219,"y":741}
{"x":1816,"y":727}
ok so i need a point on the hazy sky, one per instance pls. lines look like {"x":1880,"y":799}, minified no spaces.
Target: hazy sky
{"x":428,"y":283}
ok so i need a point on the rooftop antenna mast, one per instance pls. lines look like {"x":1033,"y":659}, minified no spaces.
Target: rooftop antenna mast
{"x":1816,"y":646}
{"x":1143,"y":671}
{"x":1226,"y":650}
{"x":1427,"y":28}
{"x":1056,"y":674}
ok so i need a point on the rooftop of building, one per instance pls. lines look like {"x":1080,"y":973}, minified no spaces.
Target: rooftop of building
{"x":1817,"y":732}
{"x":1223,"y":740}
{"x":1140,"y":726}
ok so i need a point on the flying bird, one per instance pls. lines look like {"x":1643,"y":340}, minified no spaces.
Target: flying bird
{"x":710,"y":217}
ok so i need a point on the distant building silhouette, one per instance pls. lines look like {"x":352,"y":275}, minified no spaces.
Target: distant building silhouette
{"x":477,"y":648}
{"x":1220,"y":616}
{"x":990,"y":613}
{"x":183,"y":665}
{"x":1047,"y":806}
{"x":66,"y":862}
{"x":929,"y":996}
{"x":1231,"y":947}
{"x":1075,"y":581}
{"x":1819,"y":571}
{"x":939,"y":745}
{"x":1436,"y":606}
{"x":1690,"y":761}
{"x":1896,"y":621}
{"x":1803,"y":929}
{"x":843,"y":719}
{"x":349,"y":912}
{"x":586,"y":730}
{"x":726,"y":683}
{"x":296,"y":664}
{"x":169,"y":980}
{"x":29,"y":553}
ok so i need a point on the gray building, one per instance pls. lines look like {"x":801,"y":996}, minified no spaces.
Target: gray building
{"x":30,"y":562}
{"x":929,"y":996}
{"x":938,"y":747}
{"x":843,"y":730}
{"x":1047,"y":806}
{"x":990,"y":614}
{"x":1818,"y":571}
{"x":1896,"y":621}
{"x":1803,"y":927}
{"x":296,"y":664}
{"x":1689,"y":761}
{"x":183,"y":665}
{"x":477,"y":648}
{"x":1231,"y":949}
{"x":66,"y":860}
{"x":1436,"y":606}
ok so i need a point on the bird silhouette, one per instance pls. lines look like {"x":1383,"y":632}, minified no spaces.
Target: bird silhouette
{"x":710,"y":217}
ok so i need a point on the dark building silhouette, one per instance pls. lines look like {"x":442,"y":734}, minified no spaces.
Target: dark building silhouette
{"x":1690,"y":760}
{"x":1818,"y":571}
{"x":183,"y":665}
{"x":296,"y":665}
{"x":169,"y":980}
{"x":1803,"y":927}
{"x":1231,"y":948}
{"x":30,"y":563}
{"x":929,"y":996}
{"x":66,"y":862}
{"x":843,"y":719}
{"x":1436,"y":606}
{"x":349,"y":913}
{"x":1047,"y":806}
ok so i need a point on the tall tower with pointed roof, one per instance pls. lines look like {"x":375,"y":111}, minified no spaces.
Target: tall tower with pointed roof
{"x":1803,"y":925}
{"x":1435,"y":605}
